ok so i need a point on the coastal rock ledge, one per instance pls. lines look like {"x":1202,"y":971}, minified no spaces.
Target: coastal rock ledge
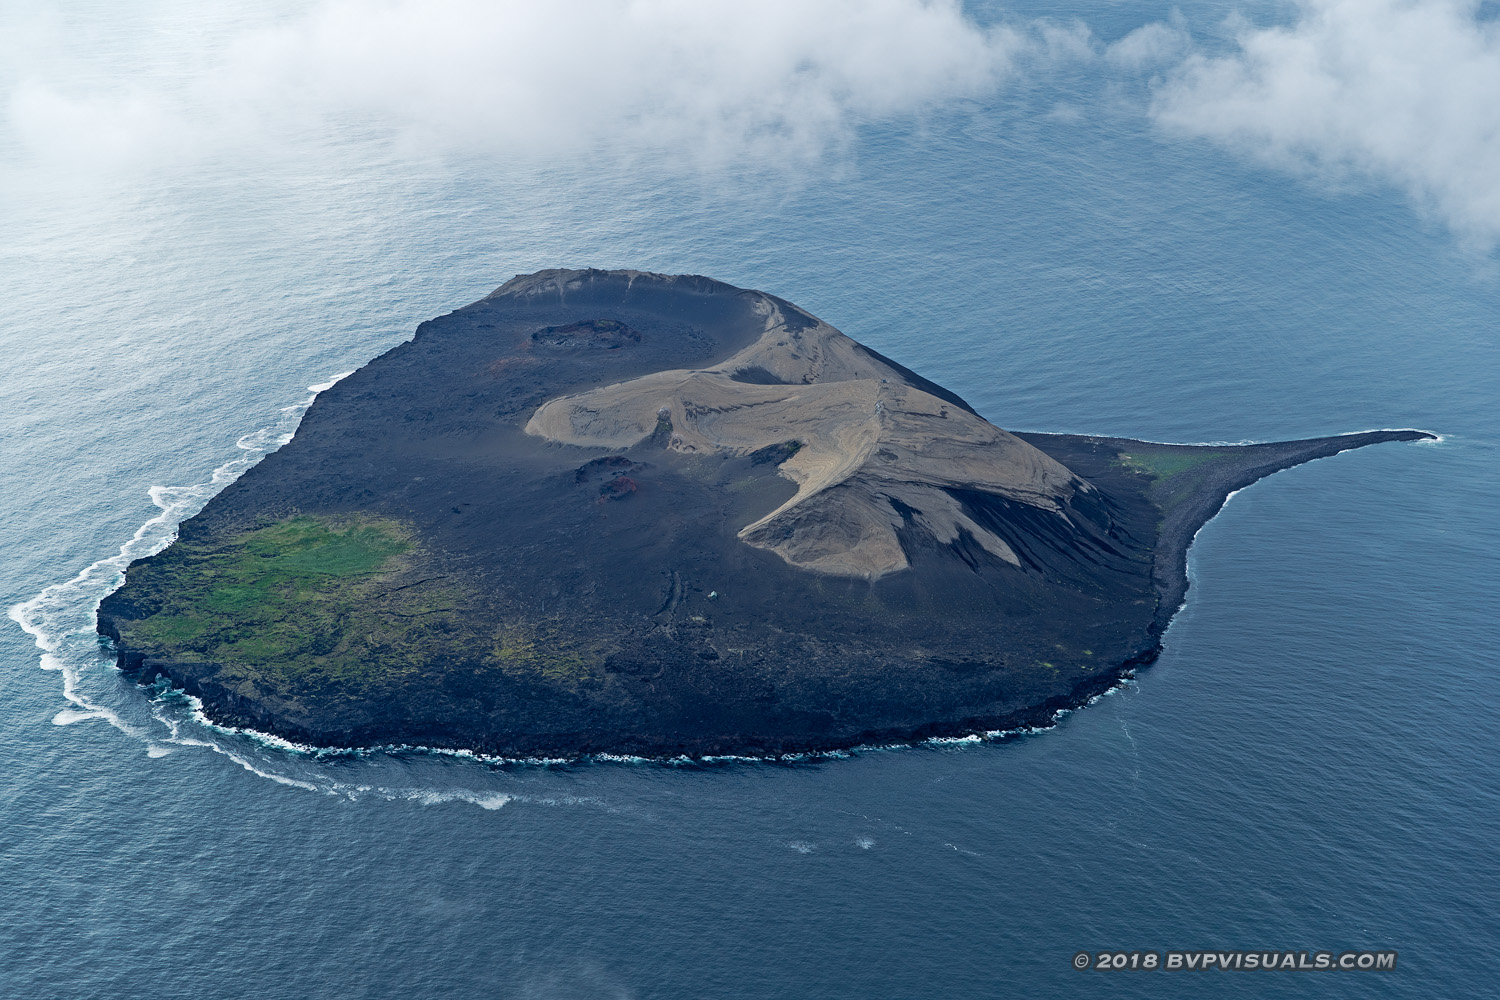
{"x":611,"y":511}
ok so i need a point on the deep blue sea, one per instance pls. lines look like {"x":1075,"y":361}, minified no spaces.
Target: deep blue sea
{"x":1313,"y":763}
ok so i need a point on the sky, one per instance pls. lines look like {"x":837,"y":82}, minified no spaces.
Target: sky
{"x":1388,"y":95}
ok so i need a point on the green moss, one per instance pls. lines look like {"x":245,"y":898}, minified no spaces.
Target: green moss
{"x":1168,"y":461}
{"x":307,"y":602}
{"x":319,"y":608}
{"x":535,"y":654}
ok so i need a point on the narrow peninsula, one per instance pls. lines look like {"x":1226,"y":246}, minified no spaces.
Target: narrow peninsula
{"x":611,"y":511}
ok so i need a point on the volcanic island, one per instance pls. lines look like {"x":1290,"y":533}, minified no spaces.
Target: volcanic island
{"x":631,"y":513}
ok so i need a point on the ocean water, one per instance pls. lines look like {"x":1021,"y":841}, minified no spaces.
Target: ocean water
{"x":1312,"y":763}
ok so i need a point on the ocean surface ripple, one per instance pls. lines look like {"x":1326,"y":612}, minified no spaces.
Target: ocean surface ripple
{"x":1312,"y":763}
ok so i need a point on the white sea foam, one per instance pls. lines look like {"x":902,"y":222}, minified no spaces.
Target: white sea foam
{"x":199,"y":716}
{"x":432,"y":797}
{"x":183,"y":716}
{"x":61,"y":619}
{"x":68,"y":716}
{"x":315,"y":389}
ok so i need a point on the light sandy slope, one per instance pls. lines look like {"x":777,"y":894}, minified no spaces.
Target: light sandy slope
{"x":872,"y":445}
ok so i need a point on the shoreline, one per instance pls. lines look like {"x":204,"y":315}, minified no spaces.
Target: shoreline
{"x":523,"y":532}
{"x":1178,"y":529}
{"x":1185,"y":518}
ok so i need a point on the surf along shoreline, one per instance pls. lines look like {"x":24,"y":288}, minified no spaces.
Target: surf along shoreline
{"x":1188,"y":508}
{"x":777,"y":541}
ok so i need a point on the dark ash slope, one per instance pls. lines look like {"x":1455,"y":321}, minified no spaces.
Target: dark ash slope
{"x":416,"y":568}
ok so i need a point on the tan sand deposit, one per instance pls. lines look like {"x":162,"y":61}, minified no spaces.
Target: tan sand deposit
{"x":872,"y":445}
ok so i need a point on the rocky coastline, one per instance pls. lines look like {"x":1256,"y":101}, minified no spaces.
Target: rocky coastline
{"x":618,"y":512}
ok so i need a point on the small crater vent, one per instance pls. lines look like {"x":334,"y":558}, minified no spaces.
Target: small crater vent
{"x":608,"y":467}
{"x":756,"y":375}
{"x":609,"y":478}
{"x":596,"y":334}
{"x":775,"y":454}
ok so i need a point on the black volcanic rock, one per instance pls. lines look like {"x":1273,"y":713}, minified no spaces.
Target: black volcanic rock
{"x":616,"y":511}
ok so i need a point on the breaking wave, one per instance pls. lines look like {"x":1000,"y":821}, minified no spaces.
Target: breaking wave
{"x":62,"y":622}
{"x":61,"y":618}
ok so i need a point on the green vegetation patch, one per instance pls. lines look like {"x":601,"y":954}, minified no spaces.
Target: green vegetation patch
{"x":304,"y":604}
{"x":544,"y":653}
{"x":322,"y":609}
{"x":1167,"y":462}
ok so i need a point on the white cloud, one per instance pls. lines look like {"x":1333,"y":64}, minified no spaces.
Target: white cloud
{"x":1402,"y":92}
{"x":709,"y":81}
{"x":121,"y":129}
{"x":1405,"y":92}
{"x":1149,"y":46}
